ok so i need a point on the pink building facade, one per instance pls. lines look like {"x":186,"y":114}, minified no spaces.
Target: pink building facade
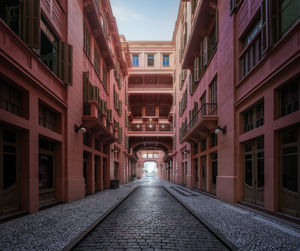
{"x":237,"y":71}
{"x":219,"y":103}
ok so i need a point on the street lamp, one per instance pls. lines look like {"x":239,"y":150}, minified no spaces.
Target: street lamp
{"x":220,"y":130}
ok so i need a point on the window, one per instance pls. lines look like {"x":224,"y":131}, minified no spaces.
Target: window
{"x":195,"y":147}
{"x":166,"y":60}
{"x":97,"y":61}
{"x":48,"y":118}
{"x":213,"y":139}
{"x":10,"y":13}
{"x":144,"y":155}
{"x":86,"y":40}
{"x":214,"y":167}
{"x":213,"y":92}
{"x":288,"y":98}
{"x":150,"y":60}
{"x":135,"y":60}
{"x":87,"y":139}
{"x":254,"y":117}
{"x":155,"y":155}
{"x":283,"y":14}
{"x":49,"y":47}
{"x":10,"y":99}
{"x":104,"y":76}
{"x":251,"y":48}
{"x":203,"y":145}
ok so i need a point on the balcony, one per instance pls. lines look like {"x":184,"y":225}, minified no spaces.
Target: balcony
{"x":149,"y":129}
{"x":204,"y":120}
{"x":204,"y":15}
{"x":97,"y":22}
{"x":96,"y":122}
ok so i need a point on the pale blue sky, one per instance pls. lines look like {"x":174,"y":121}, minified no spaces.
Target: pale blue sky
{"x":145,"y":19}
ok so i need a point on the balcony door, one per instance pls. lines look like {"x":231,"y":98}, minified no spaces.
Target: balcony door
{"x":9,"y":171}
{"x":203,"y":172}
{"x":47,"y":172}
{"x":254,"y":171}
{"x":289,"y":173}
{"x":196,"y":173}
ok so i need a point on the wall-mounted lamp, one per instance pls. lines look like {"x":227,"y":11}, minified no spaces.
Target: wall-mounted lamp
{"x":80,"y":128}
{"x":114,"y":150}
{"x":150,"y":119}
{"x":138,"y":126}
{"x":150,"y":126}
{"x":220,"y":129}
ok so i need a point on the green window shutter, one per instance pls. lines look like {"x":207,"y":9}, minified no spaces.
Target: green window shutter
{"x":85,"y":87}
{"x":126,"y":98}
{"x":204,"y":50}
{"x":31,"y":23}
{"x":65,"y":61}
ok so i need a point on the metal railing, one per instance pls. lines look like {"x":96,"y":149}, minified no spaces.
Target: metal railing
{"x":206,"y":109}
{"x":153,"y":127}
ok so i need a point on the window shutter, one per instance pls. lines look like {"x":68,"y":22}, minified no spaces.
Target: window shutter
{"x":205,"y":51}
{"x":31,"y":23}
{"x":174,"y":97}
{"x":265,"y":28}
{"x":232,"y":6}
{"x":85,"y":87}
{"x":120,"y":107}
{"x":191,"y":84}
{"x":217,"y":27}
{"x":274,"y":18}
{"x":65,"y":58}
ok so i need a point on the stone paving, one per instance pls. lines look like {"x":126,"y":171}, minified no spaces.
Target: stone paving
{"x":56,"y":227}
{"x":150,"y":219}
{"x":245,"y":229}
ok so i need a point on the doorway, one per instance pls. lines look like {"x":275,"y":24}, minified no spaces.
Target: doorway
{"x":203,"y":172}
{"x":9,"y":171}
{"x":214,"y":171}
{"x":289,"y":172}
{"x":105,"y":174}
{"x":196,"y":172}
{"x":47,"y":172}
{"x":97,"y":172}
{"x":254,"y":171}
{"x":85,"y":167}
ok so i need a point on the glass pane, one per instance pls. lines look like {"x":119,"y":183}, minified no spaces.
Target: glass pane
{"x":214,"y":172}
{"x":289,"y":150}
{"x":45,"y":171}
{"x":260,"y":172}
{"x":84,"y":171}
{"x":9,"y":149}
{"x":9,"y":136}
{"x":248,"y":172}
{"x":290,"y":10}
{"x":9,"y":170}
{"x":290,"y":172}
{"x":290,"y":136}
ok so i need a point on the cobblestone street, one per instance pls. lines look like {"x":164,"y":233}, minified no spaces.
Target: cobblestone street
{"x":151,"y":219}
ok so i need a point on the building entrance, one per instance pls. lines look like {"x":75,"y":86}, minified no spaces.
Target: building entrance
{"x":289,"y":173}
{"x":254,"y":171}
{"x":9,"y":171}
{"x":47,"y":172}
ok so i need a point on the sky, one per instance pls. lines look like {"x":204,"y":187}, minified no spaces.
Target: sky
{"x":145,"y":19}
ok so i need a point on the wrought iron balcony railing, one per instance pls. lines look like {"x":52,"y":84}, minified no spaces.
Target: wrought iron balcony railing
{"x":206,"y":109}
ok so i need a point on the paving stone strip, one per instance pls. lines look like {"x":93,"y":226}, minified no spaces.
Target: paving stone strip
{"x":54,"y":228}
{"x":150,"y":219}
{"x":246,"y":229}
